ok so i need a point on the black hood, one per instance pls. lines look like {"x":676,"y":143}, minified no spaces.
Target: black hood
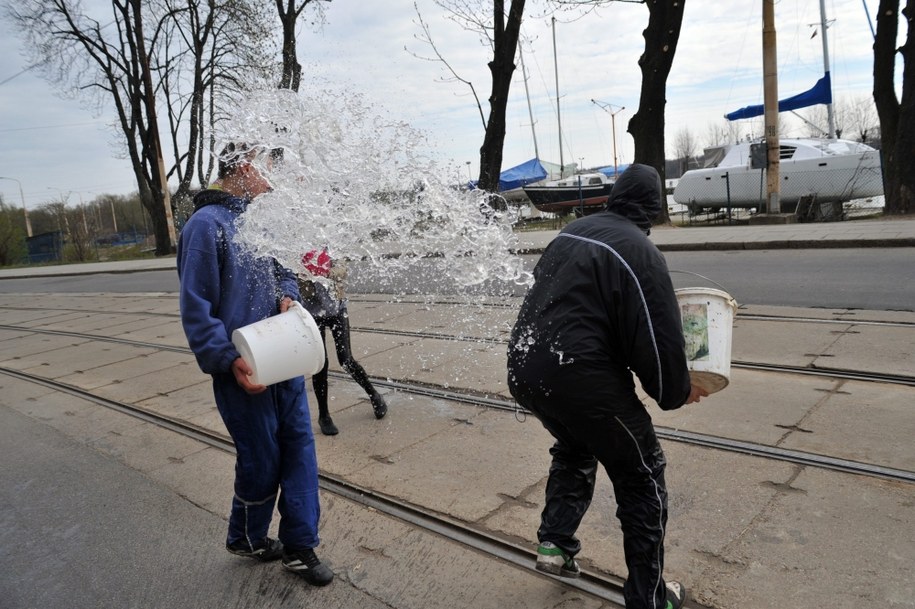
{"x":636,"y":195}
{"x":214,"y":196}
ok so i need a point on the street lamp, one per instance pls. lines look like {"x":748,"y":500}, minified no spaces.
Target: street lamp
{"x":608,"y":108}
{"x":25,"y":212}
{"x":469,"y":175}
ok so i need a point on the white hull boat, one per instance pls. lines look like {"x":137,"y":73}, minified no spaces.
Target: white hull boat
{"x":829,"y":170}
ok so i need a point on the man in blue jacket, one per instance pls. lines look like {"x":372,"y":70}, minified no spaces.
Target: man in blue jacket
{"x":602,"y":307}
{"x":224,"y":287}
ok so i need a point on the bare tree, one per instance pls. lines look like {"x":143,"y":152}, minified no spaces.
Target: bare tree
{"x":719,"y":134}
{"x":501,"y":32}
{"x":289,"y":12}
{"x":206,"y":53}
{"x":81,"y":55}
{"x":897,"y":117}
{"x":685,"y":148}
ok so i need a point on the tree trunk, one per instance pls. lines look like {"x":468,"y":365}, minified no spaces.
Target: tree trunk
{"x":501,"y":67}
{"x":292,"y":69}
{"x":897,"y":120}
{"x":647,"y":125}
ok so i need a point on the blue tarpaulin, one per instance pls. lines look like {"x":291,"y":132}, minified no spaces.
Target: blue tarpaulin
{"x":611,"y":173}
{"x":520,"y":175}
{"x":821,"y":93}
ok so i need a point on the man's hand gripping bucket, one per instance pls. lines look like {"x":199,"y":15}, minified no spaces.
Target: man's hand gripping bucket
{"x":281,"y":347}
{"x":707,"y":315}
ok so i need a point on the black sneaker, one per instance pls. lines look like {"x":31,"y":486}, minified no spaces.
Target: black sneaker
{"x":327,"y":426}
{"x":379,"y":407}
{"x":265,"y":550}
{"x":307,"y":564}
{"x":552,"y":559}
{"x":676,"y":595}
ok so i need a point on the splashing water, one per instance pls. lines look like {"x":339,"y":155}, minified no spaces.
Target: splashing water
{"x":354,"y":180}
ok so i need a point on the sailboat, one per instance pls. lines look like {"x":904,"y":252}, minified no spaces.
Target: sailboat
{"x":827,"y":170}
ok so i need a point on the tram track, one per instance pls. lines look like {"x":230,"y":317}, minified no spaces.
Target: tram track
{"x":832,"y":373}
{"x":484,"y":400}
{"x":593,"y":584}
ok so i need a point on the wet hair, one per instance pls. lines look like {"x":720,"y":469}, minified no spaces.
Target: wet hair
{"x":232,"y":156}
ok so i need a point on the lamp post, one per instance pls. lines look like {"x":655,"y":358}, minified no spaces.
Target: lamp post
{"x":25,"y":212}
{"x":469,"y":175}
{"x":608,"y":108}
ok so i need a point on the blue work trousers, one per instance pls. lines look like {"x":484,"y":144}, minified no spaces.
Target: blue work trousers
{"x":275,"y":461}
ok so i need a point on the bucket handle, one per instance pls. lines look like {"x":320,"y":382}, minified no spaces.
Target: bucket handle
{"x":723,"y":289}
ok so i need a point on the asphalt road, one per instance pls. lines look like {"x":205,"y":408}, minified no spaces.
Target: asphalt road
{"x":870,"y":278}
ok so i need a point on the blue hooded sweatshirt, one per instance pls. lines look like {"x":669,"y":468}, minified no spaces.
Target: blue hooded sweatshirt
{"x":223,"y":286}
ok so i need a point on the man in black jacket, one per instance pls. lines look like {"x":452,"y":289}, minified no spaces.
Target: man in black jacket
{"x":602,"y":307}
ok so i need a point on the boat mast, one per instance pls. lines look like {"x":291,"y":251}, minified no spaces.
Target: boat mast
{"x":528,"y":95}
{"x":823,"y":26}
{"x":558,"y":119}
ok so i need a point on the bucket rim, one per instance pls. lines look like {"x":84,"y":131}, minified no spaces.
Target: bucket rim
{"x":703,"y":291}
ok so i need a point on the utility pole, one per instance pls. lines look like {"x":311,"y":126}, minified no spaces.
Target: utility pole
{"x":770,"y":104}
{"x":608,"y":108}
{"x":25,"y":212}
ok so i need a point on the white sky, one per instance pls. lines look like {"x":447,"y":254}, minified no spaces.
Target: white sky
{"x":56,"y":147}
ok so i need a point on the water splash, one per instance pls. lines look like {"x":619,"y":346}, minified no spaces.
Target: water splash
{"x":358,"y":182}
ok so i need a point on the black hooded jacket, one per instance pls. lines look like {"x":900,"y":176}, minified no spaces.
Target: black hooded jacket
{"x":603,"y":305}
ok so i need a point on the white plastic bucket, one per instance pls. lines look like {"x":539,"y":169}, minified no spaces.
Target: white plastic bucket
{"x":281,"y":347}
{"x":707,"y":315}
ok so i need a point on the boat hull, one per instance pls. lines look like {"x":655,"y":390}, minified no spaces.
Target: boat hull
{"x":567,"y":199}
{"x":828,"y":179}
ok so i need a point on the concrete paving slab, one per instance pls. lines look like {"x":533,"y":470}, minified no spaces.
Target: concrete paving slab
{"x":737,"y":411}
{"x":385,"y":356}
{"x":850,"y":315}
{"x":136,"y":323}
{"x":19,"y":394}
{"x":786,"y":343}
{"x":872,"y":348}
{"x":57,"y":320}
{"x":145,"y":386}
{"x":185,"y":403}
{"x":479,"y":367}
{"x":812,"y":543}
{"x":860,"y":423}
{"x":25,"y":316}
{"x":130,"y":366}
{"x":371,"y":554}
{"x":168,"y":332}
{"x":29,"y":345}
{"x":453,"y":471}
{"x":456,"y":320}
{"x":364,"y":440}
{"x":73,"y":360}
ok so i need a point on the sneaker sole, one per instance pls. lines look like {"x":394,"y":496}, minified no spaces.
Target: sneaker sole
{"x":557,"y":570}
{"x":306,"y":574}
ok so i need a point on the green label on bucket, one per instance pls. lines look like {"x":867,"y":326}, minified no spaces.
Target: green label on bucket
{"x":695,"y":331}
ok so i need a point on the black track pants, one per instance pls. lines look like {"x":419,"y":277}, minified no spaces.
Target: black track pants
{"x":622,"y":439}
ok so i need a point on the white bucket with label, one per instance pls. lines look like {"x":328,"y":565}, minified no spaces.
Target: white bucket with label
{"x":707,"y":315}
{"x":281,"y":347}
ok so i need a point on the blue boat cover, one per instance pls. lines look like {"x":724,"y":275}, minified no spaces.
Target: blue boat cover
{"x":520,"y":175}
{"x":821,"y":93}
{"x":610,"y":173}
